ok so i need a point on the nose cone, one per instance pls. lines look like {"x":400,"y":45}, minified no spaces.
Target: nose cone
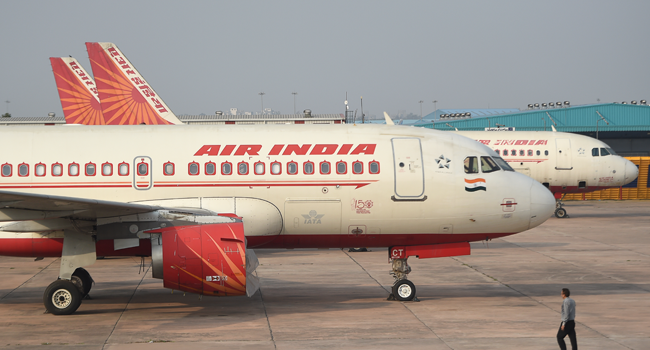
{"x":631,"y":172}
{"x":542,"y":204}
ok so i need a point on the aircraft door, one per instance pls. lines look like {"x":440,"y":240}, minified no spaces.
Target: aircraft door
{"x":563,"y":154}
{"x":142,"y":179}
{"x":409,"y":170}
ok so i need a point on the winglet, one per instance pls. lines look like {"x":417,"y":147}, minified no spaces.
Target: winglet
{"x":126,"y":98}
{"x":77,"y":92}
{"x":388,"y":120}
{"x":553,"y":127}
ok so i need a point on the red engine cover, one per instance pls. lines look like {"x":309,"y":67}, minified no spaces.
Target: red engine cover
{"x":205,"y":259}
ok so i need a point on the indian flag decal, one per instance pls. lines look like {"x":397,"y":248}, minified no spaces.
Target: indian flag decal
{"x":473,"y":185}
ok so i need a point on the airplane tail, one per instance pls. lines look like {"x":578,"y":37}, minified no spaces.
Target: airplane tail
{"x":77,"y":92}
{"x":126,"y":98}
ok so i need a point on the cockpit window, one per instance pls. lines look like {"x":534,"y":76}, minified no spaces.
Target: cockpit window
{"x":502,"y":163}
{"x":471,"y":165}
{"x":594,"y":152}
{"x":604,"y":152}
{"x":488,"y":165}
{"x":611,"y":151}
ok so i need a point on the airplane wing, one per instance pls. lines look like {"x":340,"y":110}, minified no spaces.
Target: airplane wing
{"x":27,"y":206}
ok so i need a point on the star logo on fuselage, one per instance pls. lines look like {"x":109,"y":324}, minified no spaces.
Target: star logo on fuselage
{"x":443,"y":162}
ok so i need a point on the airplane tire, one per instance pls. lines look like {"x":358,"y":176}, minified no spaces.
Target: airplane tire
{"x":62,"y":297}
{"x":86,"y":280}
{"x":560,"y":213}
{"x":357,"y":250}
{"x":404,"y":290}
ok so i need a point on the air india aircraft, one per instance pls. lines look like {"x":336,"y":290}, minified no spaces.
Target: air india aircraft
{"x":563,"y":162}
{"x":197,"y":199}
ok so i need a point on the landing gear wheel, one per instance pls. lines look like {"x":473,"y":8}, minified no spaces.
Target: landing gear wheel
{"x":357,"y":250}
{"x":86,"y":280}
{"x":560,"y":213}
{"x":62,"y":297}
{"x":404,"y":290}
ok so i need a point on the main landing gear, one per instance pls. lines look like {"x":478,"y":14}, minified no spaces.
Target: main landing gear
{"x":63,"y":297}
{"x":560,"y":212}
{"x":403,"y":289}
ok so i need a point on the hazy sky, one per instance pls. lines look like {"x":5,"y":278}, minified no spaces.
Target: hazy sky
{"x":203,"y":56}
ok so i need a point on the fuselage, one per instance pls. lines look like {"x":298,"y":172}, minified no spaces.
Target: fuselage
{"x":564,"y":162}
{"x":294,"y":185}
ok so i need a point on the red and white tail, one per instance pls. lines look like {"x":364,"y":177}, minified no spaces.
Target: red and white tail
{"x":77,"y":92}
{"x":126,"y":98}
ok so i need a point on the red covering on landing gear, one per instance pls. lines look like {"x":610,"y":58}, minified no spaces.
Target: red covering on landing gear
{"x":430,"y":251}
{"x":205,"y":259}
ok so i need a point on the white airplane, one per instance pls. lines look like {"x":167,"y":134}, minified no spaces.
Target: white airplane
{"x":199,"y":198}
{"x":563,"y":162}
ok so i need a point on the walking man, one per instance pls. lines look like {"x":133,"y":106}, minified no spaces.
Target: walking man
{"x":568,"y":325}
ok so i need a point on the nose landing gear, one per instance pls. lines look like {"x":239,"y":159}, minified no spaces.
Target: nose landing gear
{"x":560,"y":212}
{"x":403,"y":289}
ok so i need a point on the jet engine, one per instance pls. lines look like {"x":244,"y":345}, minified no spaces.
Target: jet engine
{"x":206,"y":259}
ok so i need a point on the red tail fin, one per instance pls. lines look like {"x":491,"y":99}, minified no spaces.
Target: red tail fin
{"x":77,"y":92}
{"x":126,"y":98}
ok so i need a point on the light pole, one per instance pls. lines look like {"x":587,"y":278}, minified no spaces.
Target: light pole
{"x":7,"y":102}
{"x":421,"y":109}
{"x":434,"y":105}
{"x":294,"y":101}
{"x":262,"y":98}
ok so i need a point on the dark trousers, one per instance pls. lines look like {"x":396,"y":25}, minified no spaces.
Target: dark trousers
{"x":570,"y":330}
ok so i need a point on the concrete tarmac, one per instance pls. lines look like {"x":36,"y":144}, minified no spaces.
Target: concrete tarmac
{"x":505,"y":295}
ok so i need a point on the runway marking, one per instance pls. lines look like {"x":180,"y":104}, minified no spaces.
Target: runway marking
{"x":29,"y":279}
{"x":403,"y":303}
{"x":126,"y":306}
{"x":268,"y":322}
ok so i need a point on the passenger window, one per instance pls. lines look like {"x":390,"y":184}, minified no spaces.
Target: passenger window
{"x":292,"y":168}
{"x":341,"y":167}
{"x":226,"y":168}
{"x":242,"y":168}
{"x":57,"y":169}
{"x":604,"y":152}
{"x":513,"y":152}
{"x":23,"y":169}
{"x":193,"y":168}
{"x":73,"y":169}
{"x":6,"y":170}
{"x":325,"y":167}
{"x":210,"y":168}
{"x":123,"y":169}
{"x":471,"y":165}
{"x":546,"y":152}
{"x":107,"y":169}
{"x":488,"y":165}
{"x":498,"y":151}
{"x":505,"y":152}
{"x":276,"y":168}
{"x":259,"y":168}
{"x":143,"y":169}
{"x":521,"y":152}
{"x":538,"y":152}
{"x":308,"y":168}
{"x":90,"y":169}
{"x":530,"y":152}
{"x":594,"y":152}
{"x":357,"y":167}
{"x":169,"y":169}
{"x":39,"y":169}
{"x":374,"y":167}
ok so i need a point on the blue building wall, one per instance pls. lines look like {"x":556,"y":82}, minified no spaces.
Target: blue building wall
{"x":617,"y":117}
